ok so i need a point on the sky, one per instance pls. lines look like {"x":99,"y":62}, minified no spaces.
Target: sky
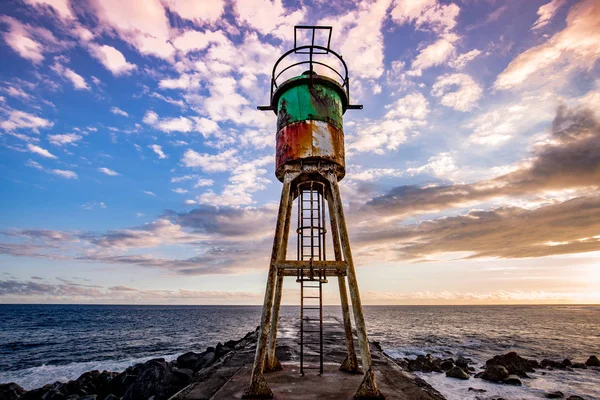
{"x":136,"y":169}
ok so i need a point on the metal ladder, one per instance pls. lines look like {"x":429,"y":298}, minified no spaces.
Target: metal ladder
{"x":311,"y":247}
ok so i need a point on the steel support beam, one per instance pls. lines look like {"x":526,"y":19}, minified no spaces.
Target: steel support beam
{"x":350,"y":364}
{"x":273,"y":363}
{"x":258,"y":385}
{"x":368,"y":388}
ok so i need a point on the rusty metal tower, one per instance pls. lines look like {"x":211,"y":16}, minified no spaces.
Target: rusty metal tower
{"x":310,"y":162}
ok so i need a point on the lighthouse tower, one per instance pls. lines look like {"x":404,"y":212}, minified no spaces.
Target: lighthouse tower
{"x":310,"y":161}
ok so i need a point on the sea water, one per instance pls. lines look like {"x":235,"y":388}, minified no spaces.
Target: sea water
{"x":41,"y":344}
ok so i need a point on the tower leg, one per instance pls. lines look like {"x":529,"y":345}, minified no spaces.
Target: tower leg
{"x":350,"y":364}
{"x":368,"y":388}
{"x":258,"y":385}
{"x":273,"y":363}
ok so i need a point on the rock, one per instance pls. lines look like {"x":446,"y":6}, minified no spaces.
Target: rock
{"x":471,"y":389}
{"x":10,"y":391}
{"x":566,"y":362}
{"x":232,"y":343}
{"x":457,"y":372}
{"x":377,"y":345}
{"x":494,"y":373}
{"x":593,"y":362}
{"x":221,"y":350}
{"x":575,"y":397}
{"x":154,"y":380}
{"x":89,"y":397}
{"x":183,"y":374}
{"x":446,"y":365}
{"x":513,"y":363}
{"x":111,"y":397}
{"x":463,"y":362}
{"x":120,"y":383}
{"x":551,"y":364}
{"x":425,"y":364}
{"x":53,"y":395}
{"x":579,"y":365}
{"x":189,"y":360}
{"x":207,"y":360}
{"x":513,"y":380}
{"x":555,"y":395}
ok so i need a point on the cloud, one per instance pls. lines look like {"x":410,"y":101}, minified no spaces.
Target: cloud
{"x":245,"y":179}
{"x":403,"y":117}
{"x":64,"y":173}
{"x":64,"y":139}
{"x":149,"y":193}
{"x":19,"y":38}
{"x":145,"y":28}
{"x":23,"y":120}
{"x":108,"y":171}
{"x":464,"y":98}
{"x":462,"y":60}
{"x":176,"y":124}
{"x":112,"y":59}
{"x":435,"y":54}
{"x":570,"y":160}
{"x":268,"y":16}
{"x":573,"y":48}
{"x":16,"y":92}
{"x":77,"y":80}
{"x":158,"y":151}
{"x":546,"y":12}
{"x":204,"y":182}
{"x":203,"y":11}
{"x":191,"y":41}
{"x":38,"y":150}
{"x":426,"y":14}
{"x":61,"y":7}
{"x":358,"y":37}
{"x":169,"y":100}
{"x":118,"y":111}
{"x":210,"y":163}
{"x":180,"y":191}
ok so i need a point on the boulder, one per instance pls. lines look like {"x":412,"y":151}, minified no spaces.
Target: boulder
{"x":190,"y":360}
{"x":120,"y":383}
{"x":472,"y":389}
{"x":183,"y":374}
{"x":494,"y":373}
{"x":513,"y":363}
{"x":575,"y":397}
{"x":445,"y":365}
{"x":579,"y":365}
{"x":10,"y":391}
{"x":551,"y":364}
{"x":566,"y":362}
{"x":425,"y":364}
{"x":463,"y":362}
{"x":593,"y":362}
{"x":207,"y":360}
{"x":111,"y":397}
{"x":154,"y":380}
{"x":513,"y":380}
{"x":457,"y":372}
{"x":555,"y":395}
{"x":89,"y":397}
{"x":221,"y":350}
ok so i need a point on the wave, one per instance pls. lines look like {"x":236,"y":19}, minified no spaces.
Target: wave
{"x":35,"y":377}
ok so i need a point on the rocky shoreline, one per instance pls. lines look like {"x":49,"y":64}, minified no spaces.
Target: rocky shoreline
{"x":161,"y":380}
{"x":156,"y":378}
{"x":507,"y":369}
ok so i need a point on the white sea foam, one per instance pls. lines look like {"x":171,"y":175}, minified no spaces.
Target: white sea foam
{"x":31,"y":378}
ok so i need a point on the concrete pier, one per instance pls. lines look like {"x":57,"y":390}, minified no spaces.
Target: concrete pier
{"x":229,"y":378}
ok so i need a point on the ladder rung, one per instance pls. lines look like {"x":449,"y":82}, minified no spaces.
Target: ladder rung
{"x":311,"y":308}
{"x":311,"y":297}
{"x":311,"y":331}
{"x":312,"y":343}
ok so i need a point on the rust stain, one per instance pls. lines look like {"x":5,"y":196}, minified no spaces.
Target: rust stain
{"x":309,"y":141}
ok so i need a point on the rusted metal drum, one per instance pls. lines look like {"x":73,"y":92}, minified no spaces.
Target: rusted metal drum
{"x":310,"y":112}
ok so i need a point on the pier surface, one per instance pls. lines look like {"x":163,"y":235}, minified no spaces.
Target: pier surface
{"x":228,"y":379}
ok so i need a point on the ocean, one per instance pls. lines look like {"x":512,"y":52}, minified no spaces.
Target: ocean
{"x":41,"y":344}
